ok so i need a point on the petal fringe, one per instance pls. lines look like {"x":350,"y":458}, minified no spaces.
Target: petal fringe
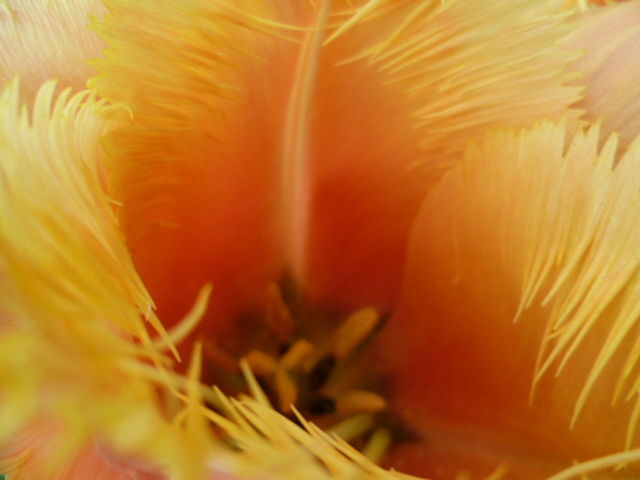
{"x":402,"y":88}
{"x":468,"y":66}
{"x":523,"y":269}
{"x":74,"y":311}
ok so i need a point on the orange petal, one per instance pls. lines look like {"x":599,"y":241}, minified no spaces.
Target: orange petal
{"x":424,"y":78}
{"x":610,"y":37}
{"x":251,"y":154}
{"x":41,"y":41}
{"x":522,"y":265}
{"x":197,"y":168}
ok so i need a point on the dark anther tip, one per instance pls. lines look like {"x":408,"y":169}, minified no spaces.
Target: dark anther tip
{"x":321,"y":372}
{"x":283,"y":348}
{"x":320,"y":405}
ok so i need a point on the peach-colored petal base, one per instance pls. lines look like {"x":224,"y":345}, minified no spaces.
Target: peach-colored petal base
{"x":609,"y":38}
{"x":42,"y":40}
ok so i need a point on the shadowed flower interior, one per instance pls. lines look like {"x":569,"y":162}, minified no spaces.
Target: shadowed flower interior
{"x":406,"y":221}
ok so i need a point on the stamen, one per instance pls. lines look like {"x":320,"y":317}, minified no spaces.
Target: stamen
{"x":260,"y":362}
{"x":358,"y":326}
{"x":359,"y":401}
{"x":302,"y":378}
{"x":317,"y":404}
{"x":275,"y":373}
{"x":321,"y":372}
{"x":283,"y":348}
{"x":297,"y":354}
{"x":286,"y":390}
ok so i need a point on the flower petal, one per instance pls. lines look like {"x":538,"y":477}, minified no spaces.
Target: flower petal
{"x":523,"y":263}
{"x":196,"y":169}
{"x":32,"y":450}
{"x":74,"y":312}
{"x":47,"y":40}
{"x":53,"y":194}
{"x":278,"y":138}
{"x":80,"y":397}
{"x":609,"y":37}
{"x":425,"y":77}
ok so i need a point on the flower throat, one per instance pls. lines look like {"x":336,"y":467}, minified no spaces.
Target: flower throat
{"x":307,"y":367}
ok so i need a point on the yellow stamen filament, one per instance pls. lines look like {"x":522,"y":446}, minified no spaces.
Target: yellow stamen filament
{"x":354,"y":330}
{"x":286,"y":389}
{"x":359,"y":401}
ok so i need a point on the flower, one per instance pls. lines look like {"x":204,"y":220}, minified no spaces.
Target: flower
{"x":243,"y":176}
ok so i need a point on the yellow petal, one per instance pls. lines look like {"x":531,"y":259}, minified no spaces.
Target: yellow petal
{"x":60,"y":242}
{"x":73,"y":307}
{"x":523,"y":271}
{"x":609,"y":38}
{"x":45,"y":40}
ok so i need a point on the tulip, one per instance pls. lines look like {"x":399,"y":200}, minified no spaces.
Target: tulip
{"x":408,"y":225}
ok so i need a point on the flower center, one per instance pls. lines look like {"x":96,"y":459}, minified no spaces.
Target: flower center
{"x":312,"y":369}
{"x":308,"y":375}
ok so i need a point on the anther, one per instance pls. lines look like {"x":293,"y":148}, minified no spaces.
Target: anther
{"x":301,"y":377}
{"x":260,"y":362}
{"x":286,"y":389}
{"x":296,"y":354}
{"x":283,"y":348}
{"x":359,"y":401}
{"x":320,"y":404}
{"x":356,"y":328}
{"x":321,"y":372}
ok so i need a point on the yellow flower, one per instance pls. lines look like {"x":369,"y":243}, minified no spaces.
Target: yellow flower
{"x":412,"y":219}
